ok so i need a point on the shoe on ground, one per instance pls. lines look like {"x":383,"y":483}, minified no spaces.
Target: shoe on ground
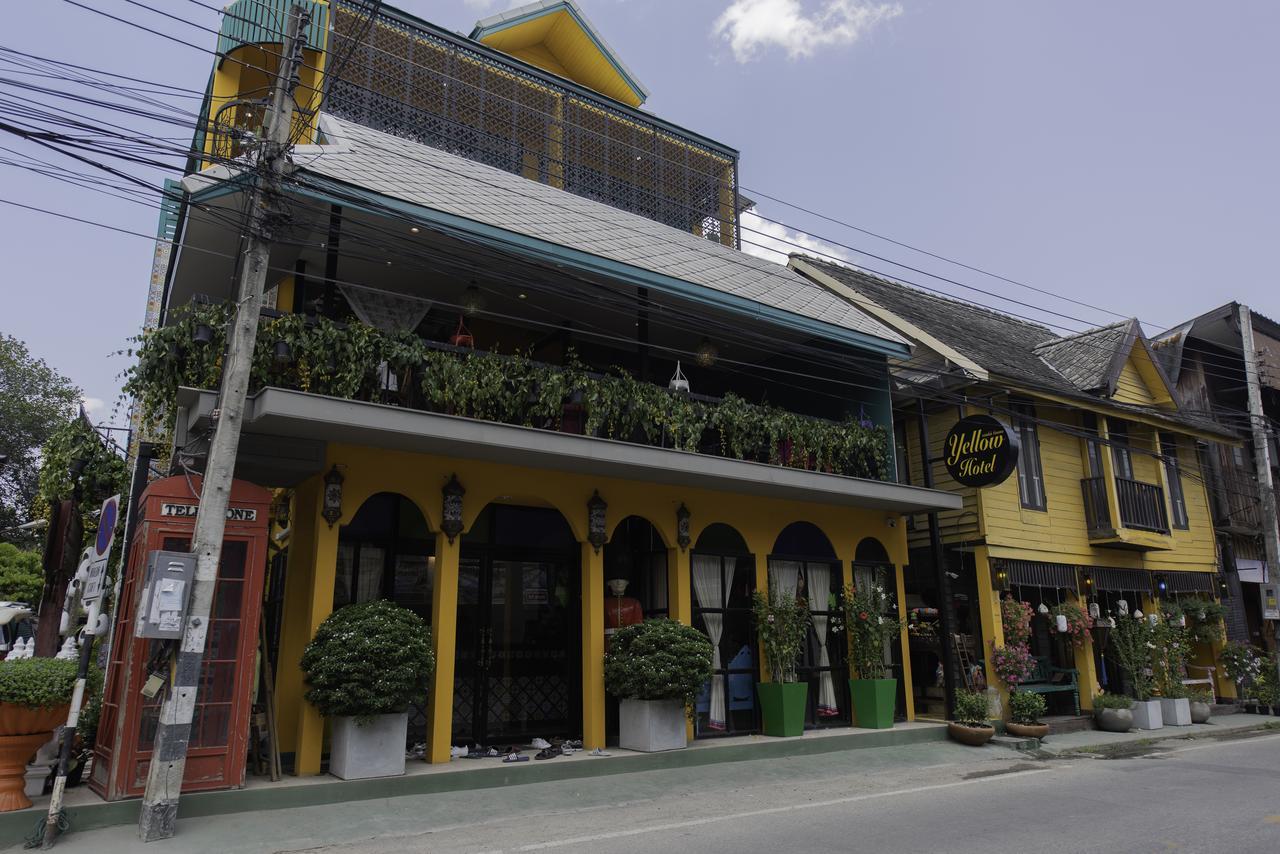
{"x":540,"y":743}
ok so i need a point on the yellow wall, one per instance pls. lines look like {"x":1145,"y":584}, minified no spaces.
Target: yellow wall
{"x":419,"y":477}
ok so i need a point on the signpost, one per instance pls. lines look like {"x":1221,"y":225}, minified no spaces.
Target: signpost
{"x":980,"y":451}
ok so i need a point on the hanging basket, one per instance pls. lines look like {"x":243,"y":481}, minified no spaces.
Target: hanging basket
{"x":462,"y":337}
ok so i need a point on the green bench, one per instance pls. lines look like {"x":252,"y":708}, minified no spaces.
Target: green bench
{"x":1048,"y":679}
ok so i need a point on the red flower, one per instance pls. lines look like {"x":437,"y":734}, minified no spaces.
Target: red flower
{"x":862,"y":615}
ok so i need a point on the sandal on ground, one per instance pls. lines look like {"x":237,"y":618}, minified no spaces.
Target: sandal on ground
{"x":516,"y":757}
{"x":599,"y":751}
{"x":547,"y":753}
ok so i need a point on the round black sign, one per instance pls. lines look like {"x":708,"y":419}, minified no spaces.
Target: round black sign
{"x":980,"y":451}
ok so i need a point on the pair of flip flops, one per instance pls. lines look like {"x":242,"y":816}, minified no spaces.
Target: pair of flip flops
{"x":549,"y":752}
{"x":515,"y":756}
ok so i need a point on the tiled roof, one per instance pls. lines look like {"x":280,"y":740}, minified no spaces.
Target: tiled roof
{"x":421,"y":175}
{"x":1087,"y":359}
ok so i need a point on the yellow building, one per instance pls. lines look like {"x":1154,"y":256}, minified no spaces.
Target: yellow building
{"x":1108,"y":509}
{"x":515,"y":354}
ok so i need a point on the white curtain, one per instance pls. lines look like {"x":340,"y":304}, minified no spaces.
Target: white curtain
{"x":388,"y":312}
{"x":708,"y":587}
{"x":369,"y":573}
{"x":784,"y":577}
{"x":819,"y":584}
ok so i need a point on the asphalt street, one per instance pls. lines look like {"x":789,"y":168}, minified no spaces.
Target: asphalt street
{"x":1200,"y":796}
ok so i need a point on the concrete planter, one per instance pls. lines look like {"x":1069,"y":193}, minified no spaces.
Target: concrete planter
{"x":1175,"y":711}
{"x":372,"y":749}
{"x":1146,"y":714}
{"x":650,"y":726}
{"x":1113,"y":720}
{"x":1200,"y":712}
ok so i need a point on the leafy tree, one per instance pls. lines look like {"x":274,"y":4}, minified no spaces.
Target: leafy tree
{"x":21,"y":575}
{"x":34,"y":401}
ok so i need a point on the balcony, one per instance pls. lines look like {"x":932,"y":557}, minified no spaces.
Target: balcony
{"x":1140,"y":507}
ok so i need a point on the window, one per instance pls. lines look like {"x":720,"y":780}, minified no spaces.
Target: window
{"x":1092,"y":446}
{"x":1173,"y":475}
{"x":1030,"y":473}
{"x":903,"y":461}
{"x":1120,"y":454}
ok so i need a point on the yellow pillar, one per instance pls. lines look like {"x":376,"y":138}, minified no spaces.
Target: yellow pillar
{"x":592,"y":646}
{"x":762,"y":585}
{"x":904,"y":640}
{"x":284,"y":294}
{"x":308,"y":600}
{"x":444,"y":630}
{"x":989,"y":619}
{"x":679,"y":586}
{"x":1085,"y":660}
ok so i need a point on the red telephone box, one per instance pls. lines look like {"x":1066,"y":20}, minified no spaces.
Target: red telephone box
{"x":220,"y":727}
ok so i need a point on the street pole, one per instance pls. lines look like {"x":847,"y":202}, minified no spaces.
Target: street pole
{"x":946,"y":605}
{"x":158,"y":816}
{"x":1261,"y":451}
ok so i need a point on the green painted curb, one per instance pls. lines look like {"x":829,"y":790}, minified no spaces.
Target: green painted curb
{"x":15,"y":826}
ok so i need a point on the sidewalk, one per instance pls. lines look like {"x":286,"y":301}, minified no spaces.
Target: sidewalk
{"x":1099,"y":742}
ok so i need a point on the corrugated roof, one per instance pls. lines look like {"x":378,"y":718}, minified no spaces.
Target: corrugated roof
{"x":421,"y":175}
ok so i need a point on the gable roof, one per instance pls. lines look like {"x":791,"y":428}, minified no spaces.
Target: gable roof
{"x":484,"y":202}
{"x":1026,"y":354}
{"x":556,"y":36}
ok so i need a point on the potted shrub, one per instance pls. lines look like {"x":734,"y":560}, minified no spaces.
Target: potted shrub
{"x":366,"y":663}
{"x":1025,"y":710}
{"x":35,"y":696}
{"x":1175,"y":707}
{"x":657,"y":669}
{"x":1243,"y":663}
{"x":1169,"y":655}
{"x":782,"y":622}
{"x":1201,"y":706}
{"x":1113,"y":712}
{"x":970,"y":724}
{"x":1133,"y":644}
{"x":870,"y":625}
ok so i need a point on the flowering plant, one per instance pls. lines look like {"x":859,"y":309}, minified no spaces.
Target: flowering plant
{"x":1132,"y":646}
{"x":782,"y":623}
{"x":658,"y":659}
{"x":1078,"y":621}
{"x":1016,"y":618}
{"x":1012,"y":664}
{"x":1243,"y":662}
{"x":871,"y":624}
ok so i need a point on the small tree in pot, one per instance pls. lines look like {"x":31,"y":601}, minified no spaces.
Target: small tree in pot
{"x":782,"y":622}
{"x":35,"y":696}
{"x":1133,"y":644}
{"x":1025,"y":710}
{"x":657,"y":668}
{"x":365,"y":665}
{"x":971,"y":722}
{"x":871,"y":627}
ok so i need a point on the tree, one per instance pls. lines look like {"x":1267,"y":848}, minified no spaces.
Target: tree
{"x":21,"y":578}
{"x":34,"y":401}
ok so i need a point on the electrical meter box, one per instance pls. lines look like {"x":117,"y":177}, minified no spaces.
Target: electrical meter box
{"x":166,"y":587}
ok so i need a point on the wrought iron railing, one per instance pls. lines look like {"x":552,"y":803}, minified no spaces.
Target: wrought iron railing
{"x":408,"y":78}
{"x":1097,"y":514}
{"x":1142,"y":506}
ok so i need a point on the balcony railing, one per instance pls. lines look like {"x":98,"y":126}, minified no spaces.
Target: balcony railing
{"x":1097,"y":514}
{"x":1142,"y":506}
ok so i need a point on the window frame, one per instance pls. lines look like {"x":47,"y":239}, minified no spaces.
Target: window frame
{"x":1169,"y":445}
{"x":1121,"y":448}
{"x":1030,"y":462}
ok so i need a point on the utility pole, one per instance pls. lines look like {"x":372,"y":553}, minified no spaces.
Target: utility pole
{"x":159,"y":813}
{"x":946,"y":604}
{"x":1261,"y":449}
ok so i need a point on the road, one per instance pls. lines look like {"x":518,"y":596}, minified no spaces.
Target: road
{"x":1202,"y":796}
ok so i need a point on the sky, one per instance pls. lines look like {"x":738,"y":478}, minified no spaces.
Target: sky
{"x":1120,"y":155}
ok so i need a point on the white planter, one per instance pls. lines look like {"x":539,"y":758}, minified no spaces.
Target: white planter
{"x":1175,"y":712}
{"x":374,"y":749}
{"x":651,"y":725}
{"x":1146,"y":714}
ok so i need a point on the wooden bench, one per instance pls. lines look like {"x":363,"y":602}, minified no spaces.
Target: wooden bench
{"x":1201,"y":674}
{"x":1048,"y":679}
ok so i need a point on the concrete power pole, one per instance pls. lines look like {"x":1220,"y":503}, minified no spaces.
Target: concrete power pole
{"x":1261,"y":448}
{"x":159,"y":813}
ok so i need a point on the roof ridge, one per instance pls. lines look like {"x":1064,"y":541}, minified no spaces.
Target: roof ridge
{"x":915,"y":289}
{"x":1086,"y":332}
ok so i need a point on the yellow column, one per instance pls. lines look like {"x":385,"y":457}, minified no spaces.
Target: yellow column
{"x":679,"y":586}
{"x":989,"y":619}
{"x":1085,"y":661}
{"x":284,"y":294}
{"x":592,"y":646}
{"x":308,"y":600}
{"x":444,"y":636}
{"x":762,"y":584}
{"x":904,"y":640}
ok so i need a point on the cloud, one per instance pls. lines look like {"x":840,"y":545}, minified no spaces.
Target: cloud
{"x":93,"y":406}
{"x":774,"y":242}
{"x":753,"y":26}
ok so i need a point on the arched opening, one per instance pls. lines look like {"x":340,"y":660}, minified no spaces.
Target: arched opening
{"x":517,"y":674}
{"x":871,"y":565}
{"x":635,"y":578}
{"x":388,"y":552}
{"x":803,"y":563}
{"x":724,"y":578}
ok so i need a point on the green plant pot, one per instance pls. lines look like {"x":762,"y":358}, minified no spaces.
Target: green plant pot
{"x":874,"y":702}
{"x":782,"y":707}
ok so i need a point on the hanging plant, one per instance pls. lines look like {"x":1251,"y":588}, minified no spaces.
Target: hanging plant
{"x":1078,"y":622}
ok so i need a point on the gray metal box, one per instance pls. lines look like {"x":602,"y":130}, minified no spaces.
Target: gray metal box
{"x":166,"y":589}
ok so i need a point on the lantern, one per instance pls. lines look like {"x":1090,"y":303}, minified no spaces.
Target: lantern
{"x":332,"y":510}
{"x":682,"y":526}
{"x":451,"y":514}
{"x":596,"y":527}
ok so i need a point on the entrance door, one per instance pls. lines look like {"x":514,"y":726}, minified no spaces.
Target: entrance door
{"x":518,"y":646}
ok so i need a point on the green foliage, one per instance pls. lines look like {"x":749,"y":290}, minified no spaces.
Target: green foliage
{"x":1112,"y":701}
{"x":91,"y":711}
{"x":371,"y":658}
{"x":1078,"y":621}
{"x":1200,"y":695}
{"x":342,"y":360}
{"x":1266,"y":687}
{"x":1204,"y":620}
{"x":1015,"y":616}
{"x":37,"y":683}
{"x":1243,"y":662}
{"x":103,"y":475}
{"x":34,"y":400}
{"x":1026,"y":708}
{"x":782,"y":624}
{"x":971,"y":708}
{"x":21,"y":575}
{"x":871,"y":624}
{"x":1169,"y":657}
{"x":658,"y":660}
{"x":1132,"y":645}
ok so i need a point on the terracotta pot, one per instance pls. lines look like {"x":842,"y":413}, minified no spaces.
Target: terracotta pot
{"x":23,"y":720}
{"x":1027,"y":730}
{"x":974,"y":736}
{"x":15,"y":750}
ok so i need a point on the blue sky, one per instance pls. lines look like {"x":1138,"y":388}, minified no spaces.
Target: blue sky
{"x":1118,"y":154}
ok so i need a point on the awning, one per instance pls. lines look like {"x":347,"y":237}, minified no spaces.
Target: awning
{"x":1191,"y":582}
{"x":1108,"y":578}
{"x":1252,"y":571}
{"x":1034,"y":573}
